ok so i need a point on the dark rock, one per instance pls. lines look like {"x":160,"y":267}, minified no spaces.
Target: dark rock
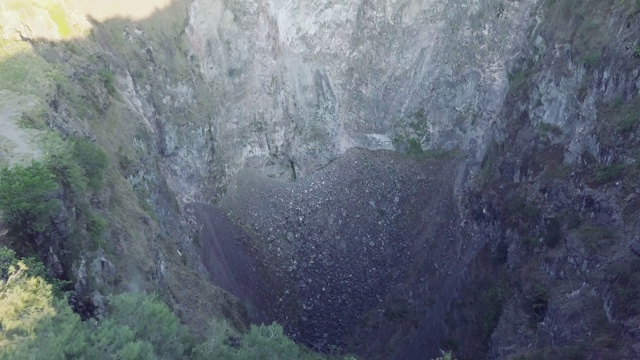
{"x":635,"y":246}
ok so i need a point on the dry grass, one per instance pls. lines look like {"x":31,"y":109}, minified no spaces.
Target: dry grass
{"x":22,"y":71}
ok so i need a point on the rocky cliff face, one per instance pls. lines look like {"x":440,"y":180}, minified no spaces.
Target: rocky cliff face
{"x":535,"y":100}
{"x":296,"y":84}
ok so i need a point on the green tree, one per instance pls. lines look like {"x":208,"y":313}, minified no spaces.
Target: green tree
{"x":261,"y":342}
{"x":35,"y":324}
{"x":28,"y":199}
{"x":66,"y":170}
{"x":151,"y":321}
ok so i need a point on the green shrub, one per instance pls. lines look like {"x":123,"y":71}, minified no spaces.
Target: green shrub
{"x":261,"y":342}
{"x":96,"y":225}
{"x":92,"y":160}
{"x":591,"y":59}
{"x":594,"y":236}
{"x":108,"y":80}
{"x":415,"y":148}
{"x":35,"y":324}
{"x":28,"y":199}
{"x":519,"y":208}
{"x":77,"y":164}
{"x":492,"y":302}
{"x":32,"y":196}
{"x":60,"y":160}
{"x":445,"y":356}
{"x":151,"y":321}
{"x":8,"y":258}
{"x":629,"y":122}
{"x":609,"y":173}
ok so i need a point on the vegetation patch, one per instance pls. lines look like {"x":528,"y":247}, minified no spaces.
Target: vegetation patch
{"x":39,"y":324}
{"x":22,"y":71}
{"x":546,"y":129}
{"x":629,"y":122}
{"x":28,"y":199}
{"x":59,"y":17}
{"x":538,"y":299}
{"x":595,"y":236}
{"x":521,"y":212}
{"x":409,"y":145}
{"x":492,"y":302}
{"x":36,"y":197}
{"x":625,"y":286}
{"x":519,"y":77}
{"x":557,"y":172}
{"x":591,"y":59}
{"x":609,"y":173}
{"x":107,"y":78}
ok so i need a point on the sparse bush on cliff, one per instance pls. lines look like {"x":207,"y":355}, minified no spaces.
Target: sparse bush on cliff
{"x":92,"y":160}
{"x":28,"y":199}
{"x":445,"y":356}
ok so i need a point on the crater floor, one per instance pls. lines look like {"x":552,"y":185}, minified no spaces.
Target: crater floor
{"x":363,"y":255}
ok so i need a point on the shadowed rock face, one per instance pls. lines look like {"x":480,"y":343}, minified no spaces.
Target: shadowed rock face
{"x":228,"y":257}
{"x":356,"y":255}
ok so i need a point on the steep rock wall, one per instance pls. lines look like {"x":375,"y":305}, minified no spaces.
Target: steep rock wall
{"x":296,"y":84}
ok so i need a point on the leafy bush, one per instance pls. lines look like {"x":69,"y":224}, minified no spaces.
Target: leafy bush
{"x":609,"y":173}
{"x":629,"y":122}
{"x":65,"y":168}
{"x":96,"y":225}
{"x":34,"y":268}
{"x":28,"y":198}
{"x":108,"y":81}
{"x":445,"y":356}
{"x":92,"y":160}
{"x":492,"y":301}
{"x":151,"y":321}
{"x":77,"y":164}
{"x":34,"y":323}
{"x":261,"y":342}
{"x":591,"y":59}
{"x":595,"y":236}
{"x":7,"y":259}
